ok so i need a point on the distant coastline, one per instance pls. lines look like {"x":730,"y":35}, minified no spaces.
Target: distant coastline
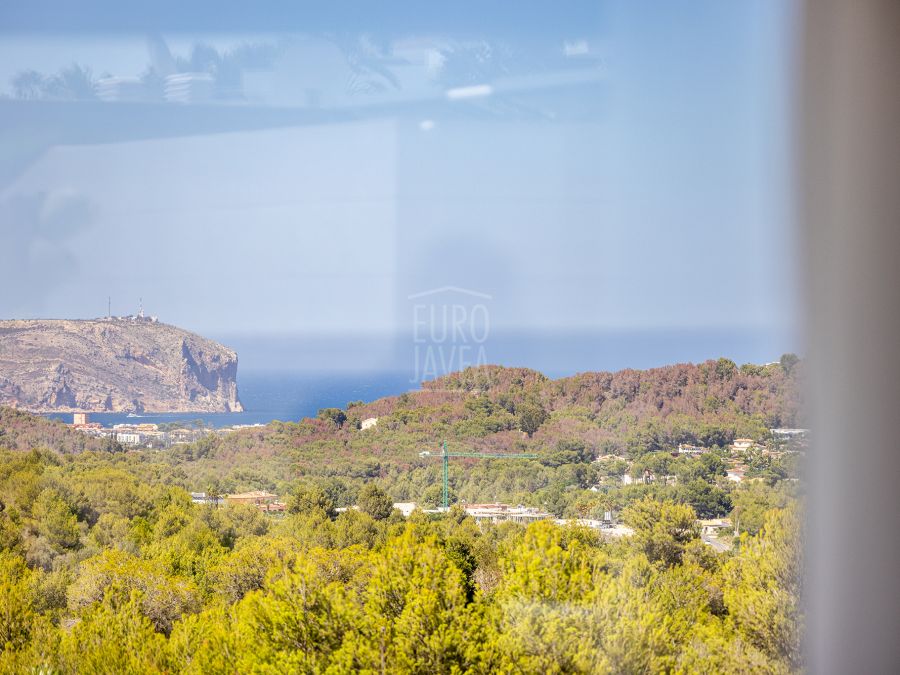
{"x":269,"y":396}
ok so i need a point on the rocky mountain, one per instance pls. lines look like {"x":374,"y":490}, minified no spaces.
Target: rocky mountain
{"x":114,"y":365}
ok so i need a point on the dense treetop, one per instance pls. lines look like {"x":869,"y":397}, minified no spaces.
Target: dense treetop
{"x":105,"y":568}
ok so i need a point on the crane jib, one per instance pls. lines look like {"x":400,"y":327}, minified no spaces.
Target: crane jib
{"x":445,"y":461}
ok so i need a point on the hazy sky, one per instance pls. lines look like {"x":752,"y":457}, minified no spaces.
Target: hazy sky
{"x":629,"y":175}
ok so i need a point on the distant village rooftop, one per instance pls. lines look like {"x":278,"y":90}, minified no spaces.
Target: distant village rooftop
{"x":255,"y":496}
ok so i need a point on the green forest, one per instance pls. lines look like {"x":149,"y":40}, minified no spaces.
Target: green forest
{"x":107,"y":566}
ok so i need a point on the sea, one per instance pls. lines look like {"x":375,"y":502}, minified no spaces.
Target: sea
{"x":268,"y":396}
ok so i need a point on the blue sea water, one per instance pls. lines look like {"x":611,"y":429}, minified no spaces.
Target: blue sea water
{"x":268,"y":396}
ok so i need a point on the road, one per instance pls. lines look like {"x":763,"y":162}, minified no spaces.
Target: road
{"x":719,"y":545}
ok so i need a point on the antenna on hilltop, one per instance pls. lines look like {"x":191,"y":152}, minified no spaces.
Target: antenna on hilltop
{"x":141,"y":303}
{"x":109,"y":307}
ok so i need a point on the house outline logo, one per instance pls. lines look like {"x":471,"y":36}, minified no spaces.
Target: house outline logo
{"x":449,"y":329}
{"x":449,"y":289}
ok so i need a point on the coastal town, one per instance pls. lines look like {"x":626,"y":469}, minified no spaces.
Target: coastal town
{"x":149,"y":435}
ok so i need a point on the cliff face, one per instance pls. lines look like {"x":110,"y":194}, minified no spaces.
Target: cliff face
{"x":117,"y":365}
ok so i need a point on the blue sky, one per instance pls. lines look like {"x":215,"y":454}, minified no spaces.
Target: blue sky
{"x":631,"y":173}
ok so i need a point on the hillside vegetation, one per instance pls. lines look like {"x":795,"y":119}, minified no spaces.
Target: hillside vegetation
{"x":106,"y":566}
{"x":24,"y":431}
{"x":624,"y":418}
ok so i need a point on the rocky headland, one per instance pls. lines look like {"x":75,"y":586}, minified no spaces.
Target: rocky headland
{"x":127,"y":364}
